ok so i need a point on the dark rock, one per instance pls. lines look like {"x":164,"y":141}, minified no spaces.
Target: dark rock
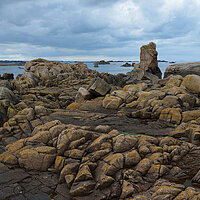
{"x":127,"y":65}
{"x":8,"y":76}
{"x":103,"y":62}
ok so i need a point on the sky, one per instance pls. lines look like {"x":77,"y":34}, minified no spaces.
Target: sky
{"x":99,"y":29}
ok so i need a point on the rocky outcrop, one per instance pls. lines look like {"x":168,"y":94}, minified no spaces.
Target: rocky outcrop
{"x":126,"y":65}
{"x":148,"y":59}
{"x":105,"y":164}
{"x":183,"y":69}
{"x":101,"y":146}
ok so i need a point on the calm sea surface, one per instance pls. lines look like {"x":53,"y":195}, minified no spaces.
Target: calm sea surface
{"x":112,"y":68}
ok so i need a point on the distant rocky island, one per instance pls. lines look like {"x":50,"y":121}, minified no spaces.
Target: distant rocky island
{"x":12,"y":63}
{"x":69,"y":132}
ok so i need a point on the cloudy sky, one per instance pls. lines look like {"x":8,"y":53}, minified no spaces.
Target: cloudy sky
{"x":99,"y":29}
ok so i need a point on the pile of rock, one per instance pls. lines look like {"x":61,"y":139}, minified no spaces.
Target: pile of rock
{"x":102,"y":163}
{"x":68,"y":136}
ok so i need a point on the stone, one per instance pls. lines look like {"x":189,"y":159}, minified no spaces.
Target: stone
{"x":8,"y":158}
{"x":84,"y":174}
{"x":73,"y":106}
{"x":132,"y":158}
{"x":148,"y":59}
{"x":122,"y":143}
{"x":70,"y":169}
{"x":192,"y":83}
{"x":174,"y":81}
{"x":25,"y":114}
{"x":113,"y":163}
{"x":183,"y":69}
{"x":41,"y":111}
{"x":121,"y":94}
{"x":99,"y":87}
{"x":59,"y":163}
{"x":173,"y":115}
{"x":37,"y":158}
{"x":112,"y":102}
{"x":82,"y":95}
{"x":135,"y":88}
{"x":6,"y":94}
{"x":171,"y":101}
{"x":82,"y":188}
{"x":8,"y":76}
{"x":127,"y":190}
{"x":190,"y":115}
{"x":143,"y":166}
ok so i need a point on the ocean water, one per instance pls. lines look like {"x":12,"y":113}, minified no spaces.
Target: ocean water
{"x":112,"y":68}
{"x":12,"y":69}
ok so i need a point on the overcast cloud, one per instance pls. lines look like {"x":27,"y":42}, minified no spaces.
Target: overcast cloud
{"x":99,"y":29}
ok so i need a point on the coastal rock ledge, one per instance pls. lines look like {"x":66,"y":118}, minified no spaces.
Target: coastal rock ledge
{"x":183,"y":69}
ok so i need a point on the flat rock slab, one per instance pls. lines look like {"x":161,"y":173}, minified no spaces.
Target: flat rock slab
{"x":124,"y":123}
{"x":183,"y":69}
{"x":17,"y":184}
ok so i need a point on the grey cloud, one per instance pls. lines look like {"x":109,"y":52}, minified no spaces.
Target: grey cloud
{"x":91,"y":27}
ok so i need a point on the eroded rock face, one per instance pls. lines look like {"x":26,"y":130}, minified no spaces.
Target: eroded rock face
{"x":183,"y":69}
{"x":96,"y":165}
{"x":148,"y":59}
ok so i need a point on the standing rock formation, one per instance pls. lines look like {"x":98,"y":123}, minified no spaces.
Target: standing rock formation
{"x":148,"y":59}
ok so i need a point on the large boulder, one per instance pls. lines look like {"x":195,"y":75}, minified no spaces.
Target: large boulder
{"x":99,"y":87}
{"x":148,"y":59}
{"x":46,"y":70}
{"x":82,"y":95}
{"x":183,"y":69}
{"x":8,"y":95}
{"x":192,"y":83}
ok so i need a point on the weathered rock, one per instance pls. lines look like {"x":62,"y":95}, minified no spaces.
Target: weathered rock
{"x":82,"y":95}
{"x":39,"y":158}
{"x":135,"y":88}
{"x":121,"y":94}
{"x":112,"y":102}
{"x":148,"y":59}
{"x":99,"y":87}
{"x":172,"y":115}
{"x":174,"y":81}
{"x":192,"y":83}
{"x":6,"y":94}
{"x":183,"y":69}
{"x":190,"y":115}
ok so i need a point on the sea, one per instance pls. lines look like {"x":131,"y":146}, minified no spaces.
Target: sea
{"x":112,"y":68}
